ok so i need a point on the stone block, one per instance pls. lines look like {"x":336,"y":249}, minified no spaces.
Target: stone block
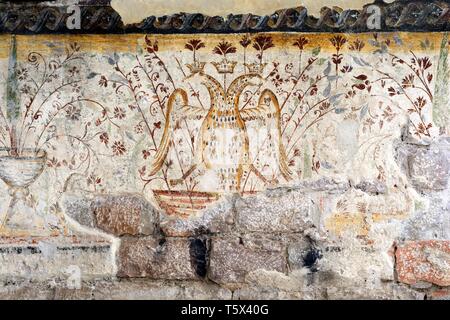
{"x":124,"y":214}
{"x":231,"y":259}
{"x":429,"y":168}
{"x":168,"y":258}
{"x":119,"y":215}
{"x":282,"y":212}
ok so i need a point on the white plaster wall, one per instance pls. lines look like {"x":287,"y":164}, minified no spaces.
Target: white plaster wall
{"x":135,"y":10}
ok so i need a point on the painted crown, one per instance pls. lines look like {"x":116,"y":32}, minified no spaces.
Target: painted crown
{"x":255,"y":67}
{"x":224,"y":66}
{"x":196,"y":67}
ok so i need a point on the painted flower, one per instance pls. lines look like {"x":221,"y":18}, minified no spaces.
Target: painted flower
{"x":346,"y":69}
{"x":324,"y":106}
{"x":356,"y":45}
{"x":145,"y":154}
{"x":22,"y":74}
{"x":420,"y":102}
{"x":26,"y":89}
{"x":338,"y":42}
{"x":194,"y":44}
{"x":277,"y":80}
{"x":103,"y":82}
{"x":74,"y":71}
{"x":245,"y":41}
{"x":224,"y":48}
{"x":75,"y":47}
{"x":94,"y":180}
{"x":424,"y":63}
{"x":408,"y":81}
{"x":151,"y":46}
{"x":76,"y":88}
{"x":104,"y":138}
{"x":262,"y":43}
{"x":139,"y":128}
{"x":300,"y":43}
{"x":73,"y":113}
{"x":53,"y":163}
{"x":118,"y":148}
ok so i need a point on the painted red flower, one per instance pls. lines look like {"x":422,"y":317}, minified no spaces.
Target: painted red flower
{"x":119,"y":113}
{"x":263,"y":43}
{"x":301,"y":42}
{"x":356,"y":45}
{"x":224,"y":48}
{"x":94,"y":180}
{"x":338,"y":42}
{"x":103,"y":82}
{"x":245,"y":41}
{"x":104,"y":138}
{"x":194,"y":44}
{"x":145,"y":154}
{"x":118,"y":148}
{"x":139,"y":128}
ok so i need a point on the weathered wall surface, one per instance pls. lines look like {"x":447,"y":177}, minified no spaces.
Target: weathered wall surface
{"x":277,"y":165}
{"x":223,"y":8}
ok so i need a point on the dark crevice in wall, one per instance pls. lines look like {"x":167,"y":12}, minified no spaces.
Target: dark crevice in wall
{"x":311,"y":258}
{"x":199,"y":253}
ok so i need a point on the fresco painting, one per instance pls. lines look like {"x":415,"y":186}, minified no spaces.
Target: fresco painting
{"x":187,"y":119}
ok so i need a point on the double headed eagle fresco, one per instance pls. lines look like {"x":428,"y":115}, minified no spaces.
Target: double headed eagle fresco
{"x":223,"y":144}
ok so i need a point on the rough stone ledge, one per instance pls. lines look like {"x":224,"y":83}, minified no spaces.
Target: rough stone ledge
{"x":281,"y":210}
{"x":115,"y":289}
{"x":145,"y":289}
{"x":56,"y":257}
{"x":119,"y":215}
{"x":286,"y":209}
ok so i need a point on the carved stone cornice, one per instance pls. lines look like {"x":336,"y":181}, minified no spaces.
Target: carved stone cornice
{"x":97,"y":16}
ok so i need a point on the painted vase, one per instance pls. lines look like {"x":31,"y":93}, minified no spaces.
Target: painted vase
{"x":19,"y":173}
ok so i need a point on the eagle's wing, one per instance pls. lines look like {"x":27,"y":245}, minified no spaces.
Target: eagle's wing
{"x":178,"y":109}
{"x":191,"y":112}
{"x":268,"y":112}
